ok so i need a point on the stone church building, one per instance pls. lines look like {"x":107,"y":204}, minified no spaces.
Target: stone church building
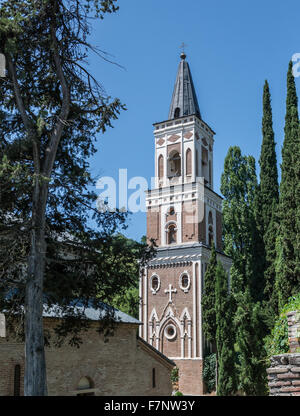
{"x":184,"y":216}
{"x":126,"y":365}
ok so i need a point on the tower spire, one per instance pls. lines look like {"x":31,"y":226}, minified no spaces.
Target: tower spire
{"x":184,"y":99}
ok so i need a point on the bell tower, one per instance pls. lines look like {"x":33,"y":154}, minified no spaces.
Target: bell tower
{"x":184,"y":216}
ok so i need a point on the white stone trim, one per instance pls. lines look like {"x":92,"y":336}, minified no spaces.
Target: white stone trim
{"x":170,"y":337}
{"x":145,"y":306}
{"x":200,"y":290}
{"x":194,"y":311}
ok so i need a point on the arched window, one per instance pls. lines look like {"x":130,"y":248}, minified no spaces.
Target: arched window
{"x":153,"y":378}
{"x":84,"y":385}
{"x":210,"y":228}
{"x":188,"y":162}
{"x":155,"y":283}
{"x":160,"y":166}
{"x":172,"y":234}
{"x":177,"y":112}
{"x":210,"y":235}
{"x":185,"y":281}
{"x":17,"y":380}
{"x":174,"y":164}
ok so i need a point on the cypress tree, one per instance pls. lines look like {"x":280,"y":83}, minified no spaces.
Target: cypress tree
{"x":287,"y":278}
{"x":209,"y":299}
{"x":226,"y":380}
{"x":268,"y":196}
{"x":250,"y":335}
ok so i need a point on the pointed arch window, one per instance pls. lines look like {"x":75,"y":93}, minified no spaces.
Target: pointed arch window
{"x":188,"y":162}
{"x":171,"y":234}
{"x":174,"y":165}
{"x":160,"y":166}
{"x":177,"y":112}
{"x":210,"y":228}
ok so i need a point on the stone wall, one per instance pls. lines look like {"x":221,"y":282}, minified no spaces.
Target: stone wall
{"x":284,"y":373}
{"x":294,"y":330}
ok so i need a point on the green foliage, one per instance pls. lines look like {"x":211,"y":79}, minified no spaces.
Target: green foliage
{"x":45,"y":150}
{"x":242,"y":240}
{"x":178,"y":393}
{"x":209,"y":372}
{"x":209,"y":299}
{"x":277,"y":341}
{"x":252,"y":356}
{"x":175,"y":375}
{"x":267,"y":201}
{"x":226,"y":380}
{"x":288,"y":268}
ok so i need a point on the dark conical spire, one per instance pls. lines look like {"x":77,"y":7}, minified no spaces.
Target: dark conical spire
{"x":184,"y":100}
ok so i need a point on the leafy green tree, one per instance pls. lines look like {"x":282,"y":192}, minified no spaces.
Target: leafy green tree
{"x":127,"y":299}
{"x":288,"y":276}
{"x":226,"y":379}
{"x":209,"y":299}
{"x":268,"y":197}
{"x":250,"y":336}
{"x":51,"y":110}
{"x":242,"y":240}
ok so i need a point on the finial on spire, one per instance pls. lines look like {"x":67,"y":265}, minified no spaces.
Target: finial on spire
{"x":183,"y":55}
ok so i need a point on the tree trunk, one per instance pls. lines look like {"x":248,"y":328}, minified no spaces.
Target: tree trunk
{"x":35,"y":379}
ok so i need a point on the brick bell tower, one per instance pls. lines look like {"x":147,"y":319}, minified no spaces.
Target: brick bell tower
{"x":184,"y":216}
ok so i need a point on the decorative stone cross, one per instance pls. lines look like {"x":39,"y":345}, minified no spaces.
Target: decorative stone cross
{"x":170,"y":291}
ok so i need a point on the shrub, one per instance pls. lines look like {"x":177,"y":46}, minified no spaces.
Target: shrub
{"x":277,"y":341}
{"x":178,"y":393}
{"x":175,"y":375}
{"x":209,"y":372}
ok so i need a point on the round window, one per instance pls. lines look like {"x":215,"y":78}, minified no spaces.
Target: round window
{"x":170,"y":331}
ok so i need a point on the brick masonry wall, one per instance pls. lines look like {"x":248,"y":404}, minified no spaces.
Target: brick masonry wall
{"x":190,"y":376}
{"x":121,"y":366}
{"x":294,"y":330}
{"x":284,"y":373}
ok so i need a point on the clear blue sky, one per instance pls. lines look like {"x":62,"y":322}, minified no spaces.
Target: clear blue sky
{"x":232,"y":47}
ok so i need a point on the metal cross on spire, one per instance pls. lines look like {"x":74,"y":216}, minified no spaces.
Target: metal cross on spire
{"x":182,"y":47}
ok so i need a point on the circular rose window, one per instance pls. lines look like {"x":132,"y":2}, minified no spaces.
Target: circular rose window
{"x":170,"y":331}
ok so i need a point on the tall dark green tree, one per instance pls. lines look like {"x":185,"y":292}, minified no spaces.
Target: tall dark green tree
{"x":51,"y":111}
{"x":252,"y":356}
{"x":268,"y":197}
{"x":209,"y":299}
{"x":226,"y":377}
{"x":242,"y":241}
{"x":288,"y":276}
